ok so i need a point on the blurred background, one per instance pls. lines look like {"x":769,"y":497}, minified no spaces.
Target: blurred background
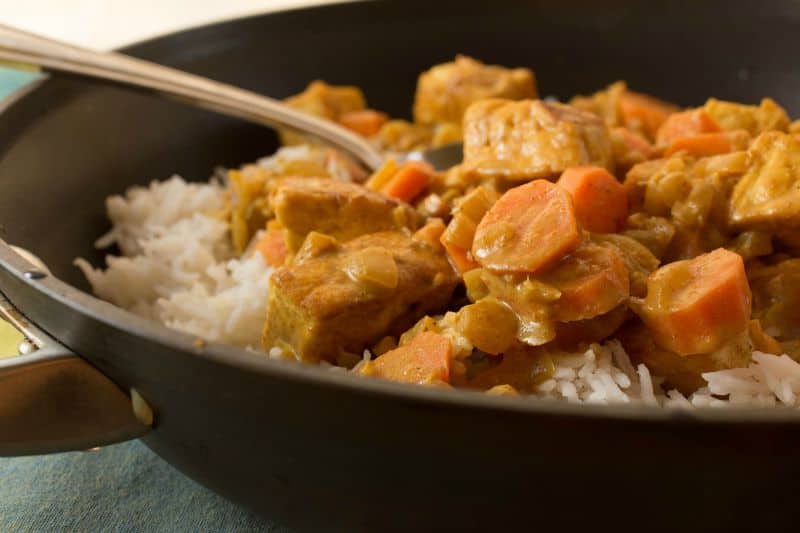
{"x":112,"y":23}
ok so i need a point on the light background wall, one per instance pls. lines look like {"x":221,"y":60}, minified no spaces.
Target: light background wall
{"x":111,"y":23}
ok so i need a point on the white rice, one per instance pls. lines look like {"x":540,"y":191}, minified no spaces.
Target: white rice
{"x":177,"y":266}
{"x":604,"y":374}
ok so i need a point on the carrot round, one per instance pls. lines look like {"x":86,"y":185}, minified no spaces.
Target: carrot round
{"x":644,"y":113}
{"x":366,"y":122}
{"x":408,"y":182}
{"x":272,"y":245}
{"x":593,"y":280}
{"x":696,"y":305}
{"x":528,"y":229}
{"x":702,"y":145}
{"x":426,"y":359}
{"x":686,"y":124}
{"x":601,"y":203}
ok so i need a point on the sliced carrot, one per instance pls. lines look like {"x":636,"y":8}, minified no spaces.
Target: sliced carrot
{"x":408,"y":182}
{"x":686,"y":124}
{"x":703,"y":145}
{"x":459,"y":258}
{"x":366,"y":122}
{"x":601,"y":203}
{"x":696,"y":305}
{"x":272,"y":245}
{"x":528,"y":229}
{"x":636,"y":142}
{"x":431,"y":232}
{"x":593,"y":280}
{"x":424,"y":360}
{"x":644,"y":113}
{"x":382,"y":176}
{"x":457,"y":241}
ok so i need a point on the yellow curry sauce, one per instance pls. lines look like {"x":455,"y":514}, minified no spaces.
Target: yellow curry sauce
{"x":615,"y":215}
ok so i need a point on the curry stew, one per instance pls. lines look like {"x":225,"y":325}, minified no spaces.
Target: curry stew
{"x":613,"y":216}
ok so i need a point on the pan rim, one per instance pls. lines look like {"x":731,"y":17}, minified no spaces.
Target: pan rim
{"x":312,"y":375}
{"x":117,"y":318}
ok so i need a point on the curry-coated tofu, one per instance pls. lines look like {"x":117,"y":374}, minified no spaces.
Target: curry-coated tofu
{"x":339,"y":209}
{"x":324,"y":101}
{"x":532,"y":139}
{"x":445,"y":91}
{"x":248,"y":187}
{"x":767,"y":116}
{"x":768,"y":194}
{"x":338,"y":298}
{"x":328,"y":101}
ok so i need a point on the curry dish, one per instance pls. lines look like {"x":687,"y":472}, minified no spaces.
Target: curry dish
{"x":613,"y":217}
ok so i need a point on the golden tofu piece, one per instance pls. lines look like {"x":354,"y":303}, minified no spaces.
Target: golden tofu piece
{"x":754,"y":119}
{"x":325,"y":101}
{"x":339,"y":209}
{"x":248,"y":187}
{"x":445,"y":91}
{"x":328,"y":101}
{"x":532,"y":139}
{"x":768,"y":194}
{"x":320,"y":310}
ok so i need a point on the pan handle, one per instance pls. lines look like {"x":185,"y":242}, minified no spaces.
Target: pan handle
{"x":52,"y":400}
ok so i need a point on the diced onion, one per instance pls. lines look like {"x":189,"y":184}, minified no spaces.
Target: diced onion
{"x":374,"y":265}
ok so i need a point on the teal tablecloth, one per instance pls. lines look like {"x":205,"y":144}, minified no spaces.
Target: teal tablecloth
{"x":11,"y":79}
{"x":124,"y":487}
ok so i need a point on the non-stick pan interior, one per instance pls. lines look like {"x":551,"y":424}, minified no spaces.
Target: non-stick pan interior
{"x":69,"y":144}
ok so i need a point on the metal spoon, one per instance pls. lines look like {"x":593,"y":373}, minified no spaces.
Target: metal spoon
{"x":23,"y":48}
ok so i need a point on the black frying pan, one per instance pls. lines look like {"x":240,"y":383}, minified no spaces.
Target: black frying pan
{"x":319,"y":450}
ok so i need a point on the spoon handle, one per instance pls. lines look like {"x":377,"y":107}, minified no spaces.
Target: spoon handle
{"x":22,"y":48}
